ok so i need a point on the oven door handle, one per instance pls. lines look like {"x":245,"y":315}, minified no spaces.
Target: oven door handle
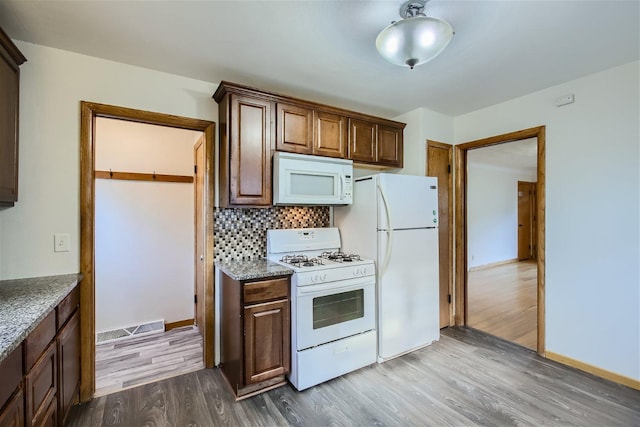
{"x":342,"y":285}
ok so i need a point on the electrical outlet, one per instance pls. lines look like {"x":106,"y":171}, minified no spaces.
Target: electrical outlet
{"x":61,"y":242}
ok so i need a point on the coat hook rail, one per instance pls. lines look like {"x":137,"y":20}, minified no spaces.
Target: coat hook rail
{"x":135,"y":176}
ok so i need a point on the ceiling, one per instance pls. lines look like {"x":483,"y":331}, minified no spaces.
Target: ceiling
{"x":325,"y":50}
{"x":517,"y":155}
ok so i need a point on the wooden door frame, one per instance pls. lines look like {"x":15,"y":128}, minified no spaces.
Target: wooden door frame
{"x":449,"y":148}
{"x":461,"y":310}
{"x":89,"y":112}
{"x":196,"y":254}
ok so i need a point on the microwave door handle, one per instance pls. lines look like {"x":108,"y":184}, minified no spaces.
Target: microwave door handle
{"x":341,"y":186}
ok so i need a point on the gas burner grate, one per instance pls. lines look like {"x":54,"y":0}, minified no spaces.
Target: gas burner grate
{"x":339,"y":256}
{"x":301,"y":260}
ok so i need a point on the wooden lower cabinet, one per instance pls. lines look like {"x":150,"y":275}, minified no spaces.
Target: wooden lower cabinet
{"x":13,"y":413}
{"x":68,"y":344}
{"x":40,"y":386}
{"x":266,"y":341}
{"x":256,"y":343}
{"x":50,"y":416}
{"x":50,"y":356}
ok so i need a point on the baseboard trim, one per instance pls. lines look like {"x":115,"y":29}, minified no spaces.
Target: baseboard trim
{"x":493,"y":264}
{"x":179,"y":324}
{"x":603,"y":373}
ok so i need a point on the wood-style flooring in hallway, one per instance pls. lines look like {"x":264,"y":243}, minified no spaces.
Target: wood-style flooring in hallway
{"x":140,"y":360}
{"x":502,"y":301}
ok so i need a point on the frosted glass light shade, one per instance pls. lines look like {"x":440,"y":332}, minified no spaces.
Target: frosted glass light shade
{"x":414,"y":40}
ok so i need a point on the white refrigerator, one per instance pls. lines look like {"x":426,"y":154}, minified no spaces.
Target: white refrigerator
{"x":394,"y":221}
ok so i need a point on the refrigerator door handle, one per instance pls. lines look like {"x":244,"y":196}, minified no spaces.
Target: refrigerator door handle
{"x":389,"y":230}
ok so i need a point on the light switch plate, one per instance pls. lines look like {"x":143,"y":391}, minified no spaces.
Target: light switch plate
{"x":61,"y":242}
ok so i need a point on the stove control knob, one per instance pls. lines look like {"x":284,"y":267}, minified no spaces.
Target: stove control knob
{"x":318,"y":278}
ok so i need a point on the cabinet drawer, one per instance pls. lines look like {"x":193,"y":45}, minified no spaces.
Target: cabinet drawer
{"x":11,"y":374}
{"x":266,"y":290}
{"x":68,"y":306}
{"x":38,"y":340}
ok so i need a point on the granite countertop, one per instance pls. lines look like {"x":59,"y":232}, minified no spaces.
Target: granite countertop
{"x":24,"y":303}
{"x":253,"y":269}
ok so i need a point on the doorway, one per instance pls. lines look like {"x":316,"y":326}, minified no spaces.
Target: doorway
{"x":439,"y":162}
{"x":90,"y":112}
{"x":463,"y":257}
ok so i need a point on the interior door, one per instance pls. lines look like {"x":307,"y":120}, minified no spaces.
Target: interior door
{"x":439,"y":159}
{"x":199,"y":212}
{"x":525,"y":220}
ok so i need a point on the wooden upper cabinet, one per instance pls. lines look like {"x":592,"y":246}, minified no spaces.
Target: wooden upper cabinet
{"x":306,"y":130}
{"x":294,"y":128}
{"x":329,"y":134}
{"x":10,"y":61}
{"x":390,"y":146}
{"x":378,"y":144}
{"x":363,"y":141}
{"x":253,"y":123}
{"x":246,"y":137}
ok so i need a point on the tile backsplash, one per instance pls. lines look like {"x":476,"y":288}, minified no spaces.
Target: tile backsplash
{"x":241,"y":234}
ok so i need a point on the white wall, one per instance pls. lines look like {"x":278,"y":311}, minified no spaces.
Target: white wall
{"x":423,"y":124}
{"x":492,"y":212}
{"x":592,"y":209}
{"x":144,"y":235}
{"x":53,"y":82}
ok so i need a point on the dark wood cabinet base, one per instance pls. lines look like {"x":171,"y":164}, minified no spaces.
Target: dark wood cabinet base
{"x":255,"y":342}
{"x":241,"y":393}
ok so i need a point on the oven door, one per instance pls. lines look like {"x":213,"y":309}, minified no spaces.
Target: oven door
{"x":331,"y":311}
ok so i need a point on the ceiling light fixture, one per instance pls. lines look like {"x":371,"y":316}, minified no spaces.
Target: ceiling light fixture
{"x":416,"y":38}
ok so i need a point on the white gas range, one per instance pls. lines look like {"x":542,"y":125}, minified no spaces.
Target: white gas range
{"x":332,"y":304}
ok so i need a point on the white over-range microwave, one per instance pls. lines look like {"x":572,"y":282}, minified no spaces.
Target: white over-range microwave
{"x":300,"y":179}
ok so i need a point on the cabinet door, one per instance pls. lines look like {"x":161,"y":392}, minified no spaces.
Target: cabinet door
{"x":266,"y":341}
{"x":40,"y":387}
{"x":13,"y":413}
{"x":49,"y":418}
{"x":363,"y":141}
{"x":294,"y":128}
{"x":68,"y":365}
{"x":250,"y":151}
{"x":390,"y":146}
{"x":330,"y":135}
{"x":9,"y":83}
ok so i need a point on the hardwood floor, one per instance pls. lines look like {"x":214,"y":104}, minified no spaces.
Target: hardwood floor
{"x":466,"y":378}
{"x":140,"y":360}
{"x":502,"y":301}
